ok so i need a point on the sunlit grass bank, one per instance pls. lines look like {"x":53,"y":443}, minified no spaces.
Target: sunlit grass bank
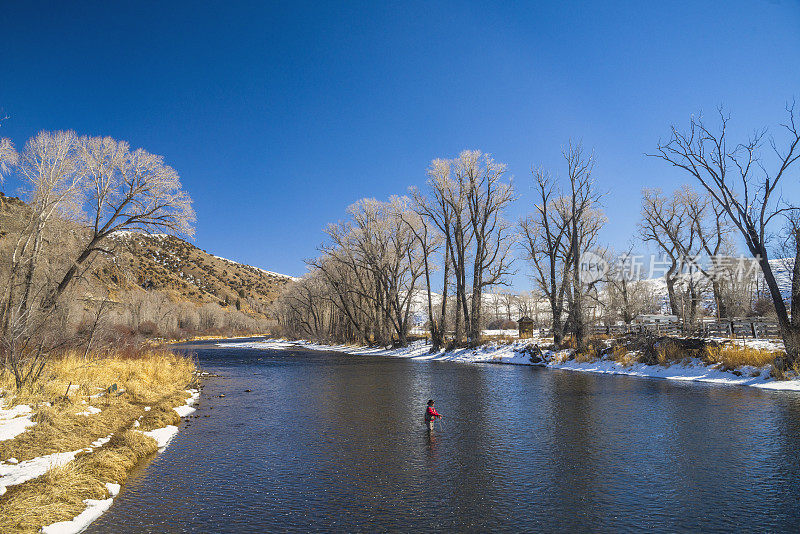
{"x":98,"y":409}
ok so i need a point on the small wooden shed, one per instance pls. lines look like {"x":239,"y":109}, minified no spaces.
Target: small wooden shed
{"x":525,"y":325}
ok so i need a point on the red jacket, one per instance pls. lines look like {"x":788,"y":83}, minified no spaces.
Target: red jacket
{"x":430,"y":413}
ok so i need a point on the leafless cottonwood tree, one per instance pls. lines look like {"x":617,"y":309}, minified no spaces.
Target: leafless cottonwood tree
{"x":741,"y":180}
{"x":430,"y":241}
{"x":370,"y":268}
{"x":466,"y":203}
{"x":126,"y":190}
{"x":628,"y":295}
{"x":713,"y":232}
{"x":50,"y":172}
{"x":563,"y":228}
{"x":510,"y":302}
{"x":487,"y":199}
{"x":438,"y":209}
{"x":584,"y":221}
{"x":454,"y":194}
{"x":667,"y":223}
{"x":8,"y":158}
{"x":94,"y":186}
{"x":372,"y":264}
{"x":544,"y":235}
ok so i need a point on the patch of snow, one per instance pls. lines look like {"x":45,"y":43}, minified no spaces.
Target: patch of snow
{"x":11,"y":475}
{"x":188,"y":408}
{"x":113,"y":489}
{"x":14,"y":421}
{"x":101,"y":441}
{"x":276,"y":344}
{"x":16,"y":411}
{"x":91,"y":410}
{"x":94,"y":509}
{"x":19,"y":472}
{"x":162,"y":435}
{"x":512,"y":332}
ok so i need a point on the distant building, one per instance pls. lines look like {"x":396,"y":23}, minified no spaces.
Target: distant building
{"x":656,"y":319}
{"x":525,"y":325}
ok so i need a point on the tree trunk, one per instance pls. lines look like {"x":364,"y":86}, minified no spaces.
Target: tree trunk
{"x":673,"y":299}
{"x":446,"y":283}
{"x":722,"y":307}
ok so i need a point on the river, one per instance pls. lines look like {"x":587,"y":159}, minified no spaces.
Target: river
{"x":334,"y":442}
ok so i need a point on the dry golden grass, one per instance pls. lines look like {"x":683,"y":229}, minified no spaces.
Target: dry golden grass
{"x":669,"y":353}
{"x":160,"y":416}
{"x":596,"y":346}
{"x":58,"y":495}
{"x":619,"y":353}
{"x":560,"y":357}
{"x":732,"y":356}
{"x":154,"y":378}
{"x":145,"y":376}
{"x":568,"y":343}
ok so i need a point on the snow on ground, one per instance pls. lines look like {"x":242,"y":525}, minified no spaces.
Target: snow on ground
{"x":94,"y":507}
{"x":162,"y":435}
{"x":18,"y":473}
{"x":91,"y":410}
{"x":14,"y":421}
{"x":276,"y":344}
{"x":188,"y":408}
{"x":513,"y":353}
{"x":513,"y":332}
{"x":165,"y":434}
{"x":13,"y":472}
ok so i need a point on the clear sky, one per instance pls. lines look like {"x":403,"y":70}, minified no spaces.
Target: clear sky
{"x":278,"y":116}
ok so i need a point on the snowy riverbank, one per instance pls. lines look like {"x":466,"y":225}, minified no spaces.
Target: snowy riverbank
{"x":514,"y":353}
{"x":12,"y":472}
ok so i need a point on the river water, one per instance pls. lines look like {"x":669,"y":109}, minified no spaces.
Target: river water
{"x":333,"y":442}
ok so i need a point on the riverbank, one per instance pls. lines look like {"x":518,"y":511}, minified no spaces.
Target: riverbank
{"x":519,"y":353}
{"x":68,"y":443}
{"x":207,"y":338}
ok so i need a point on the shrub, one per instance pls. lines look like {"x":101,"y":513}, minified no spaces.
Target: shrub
{"x":148,"y":328}
{"x":732,"y":356}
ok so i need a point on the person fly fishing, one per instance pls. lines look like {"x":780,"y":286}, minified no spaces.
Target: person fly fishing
{"x":431,"y":415}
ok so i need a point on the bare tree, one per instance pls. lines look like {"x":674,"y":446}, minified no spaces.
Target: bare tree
{"x":564,"y":227}
{"x":487,"y":199}
{"x":430,"y":242}
{"x":438,"y":209}
{"x":78,"y":192}
{"x":8,"y":157}
{"x":126,"y":190}
{"x":713,"y":231}
{"x":584,"y":221}
{"x":738,"y":179}
{"x":627,"y":292}
{"x":544,"y":235}
{"x":667,"y":222}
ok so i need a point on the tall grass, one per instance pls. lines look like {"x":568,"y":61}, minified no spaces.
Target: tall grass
{"x":154,"y":379}
{"x":59,"y":494}
{"x":731,"y":356}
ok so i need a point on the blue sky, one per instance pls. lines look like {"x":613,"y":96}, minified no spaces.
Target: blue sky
{"x":279,"y":116}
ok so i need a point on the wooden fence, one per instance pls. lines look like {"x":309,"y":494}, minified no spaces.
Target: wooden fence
{"x":746,"y":327}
